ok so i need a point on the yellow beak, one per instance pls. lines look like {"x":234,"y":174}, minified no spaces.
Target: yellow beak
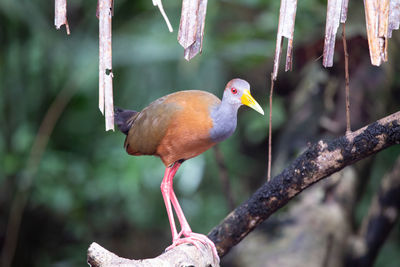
{"x":248,"y":100}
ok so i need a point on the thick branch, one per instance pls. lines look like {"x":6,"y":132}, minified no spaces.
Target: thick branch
{"x":312,"y":232}
{"x":382,"y":216}
{"x":180,"y":256}
{"x":319,"y":161}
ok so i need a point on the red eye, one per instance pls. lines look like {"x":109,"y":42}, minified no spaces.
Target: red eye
{"x":234,"y":90}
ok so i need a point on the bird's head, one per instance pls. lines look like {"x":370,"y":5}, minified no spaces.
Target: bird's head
{"x":237,"y":92}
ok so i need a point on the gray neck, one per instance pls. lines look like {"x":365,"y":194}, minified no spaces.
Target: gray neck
{"x":224,"y":118}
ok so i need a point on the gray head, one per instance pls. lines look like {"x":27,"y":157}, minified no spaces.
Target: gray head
{"x":237,"y":93}
{"x":224,"y":116}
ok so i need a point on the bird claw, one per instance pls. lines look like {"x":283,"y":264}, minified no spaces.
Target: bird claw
{"x":194,"y":238}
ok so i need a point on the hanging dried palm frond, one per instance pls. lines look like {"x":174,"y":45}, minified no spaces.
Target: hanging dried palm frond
{"x":191,"y":27}
{"x":376,"y":16}
{"x":336,"y":13}
{"x":106,"y":104}
{"x":382,"y":17}
{"x":394,"y":16}
{"x":287,"y":16}
{"x":60,"y":14}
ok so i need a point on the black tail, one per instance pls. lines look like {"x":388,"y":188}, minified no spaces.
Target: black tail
{"x":124,"y":119}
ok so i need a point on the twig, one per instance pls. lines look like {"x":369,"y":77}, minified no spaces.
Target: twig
{"x":347,"y":79}
{"x":25,"y":185}
{"x":181,"y":256}
{"x":287,"y":18}
{"x":270,"y":128}
{"x":160,"y":7}
{"x":224,"y":177}
{"x":319,"y":161}
{"x":382,"y":216}
{"x":60,"y":15}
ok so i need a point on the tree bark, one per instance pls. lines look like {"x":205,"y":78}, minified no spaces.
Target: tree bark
{"x":180,"y":256}
{"x":313,"y":232}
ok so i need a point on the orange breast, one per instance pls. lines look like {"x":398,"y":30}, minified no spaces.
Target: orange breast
{"x":188,"y":133}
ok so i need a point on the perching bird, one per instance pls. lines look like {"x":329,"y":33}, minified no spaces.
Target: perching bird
{"x":180,"y":126}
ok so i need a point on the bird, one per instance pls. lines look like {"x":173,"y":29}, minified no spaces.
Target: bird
{"x":178,"y":127}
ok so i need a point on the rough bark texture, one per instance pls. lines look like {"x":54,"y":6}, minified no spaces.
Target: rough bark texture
{"x":317,"y":162}
{"x":312,"y":233}
{"x":180,"y":256}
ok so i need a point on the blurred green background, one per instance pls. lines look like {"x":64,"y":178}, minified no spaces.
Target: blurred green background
{"x":85,"y":188}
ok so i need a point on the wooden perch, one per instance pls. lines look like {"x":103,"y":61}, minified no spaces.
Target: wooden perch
{"x":191,"y":27}
{"x":60,"y":15}
{"x":319,"y":161}
{"x":382,"y":216}
{"x":106,"y":105}
{"x":181,"y":256}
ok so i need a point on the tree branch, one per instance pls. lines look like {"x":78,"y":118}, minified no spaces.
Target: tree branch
{"x":319,"y":161}
{"x":312,"y":232}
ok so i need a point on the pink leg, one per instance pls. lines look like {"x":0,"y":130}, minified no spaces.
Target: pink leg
{"x":190,"y":237}
{"x":165,"y":191}
{"x":185,"y":228}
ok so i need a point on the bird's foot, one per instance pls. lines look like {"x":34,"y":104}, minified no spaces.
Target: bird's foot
{"x":194,"y":238}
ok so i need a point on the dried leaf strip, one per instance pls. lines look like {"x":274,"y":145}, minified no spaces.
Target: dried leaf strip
{"x":60,"y":14}
{"x":106,"y":105}
{"x":191,"y":27}
{"x":287,"y":17}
